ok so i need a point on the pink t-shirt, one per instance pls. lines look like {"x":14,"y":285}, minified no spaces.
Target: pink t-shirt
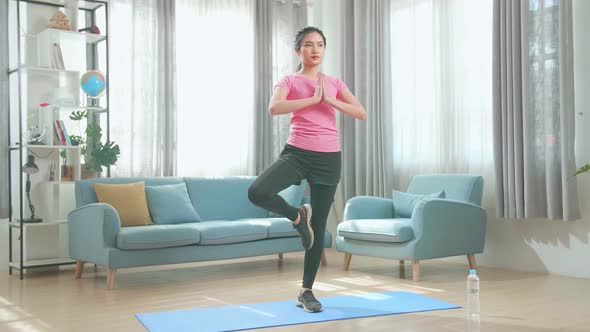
{"x":314,"y":127}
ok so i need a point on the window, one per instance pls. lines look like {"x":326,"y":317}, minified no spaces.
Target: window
{"x":215,"y":94}
{"x":441,"y":87}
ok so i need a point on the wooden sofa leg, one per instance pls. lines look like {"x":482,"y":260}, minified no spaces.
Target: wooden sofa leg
{"x":402,"y":264}
{"x":324,"y":260}
{"x":347,"y":258}
{"x":110,"y":278}
{"x":471,"y":259}
{"x":416,"y":270}
{"x":280,"y":258}
{"x":79,"y":269}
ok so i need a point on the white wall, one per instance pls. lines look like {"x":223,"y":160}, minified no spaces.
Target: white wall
{"x":556,"y":247}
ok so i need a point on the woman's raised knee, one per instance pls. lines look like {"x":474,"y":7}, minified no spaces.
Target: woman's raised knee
{"x":257,"y":195}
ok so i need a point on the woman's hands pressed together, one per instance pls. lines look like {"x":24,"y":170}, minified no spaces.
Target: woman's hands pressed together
{"x":321,"y":92}
{"x":348,"y":105}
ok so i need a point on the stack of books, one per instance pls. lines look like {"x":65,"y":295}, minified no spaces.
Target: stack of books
{"x":60,"y":134}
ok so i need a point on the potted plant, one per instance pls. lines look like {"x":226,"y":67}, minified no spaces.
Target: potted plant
{"x":96,"y":153}
{"x":583,"y":169}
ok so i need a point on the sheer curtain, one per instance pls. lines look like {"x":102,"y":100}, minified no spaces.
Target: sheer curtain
{"x":277,"y":22}
{"x":328,"y":15}
{"x":534,"y":113}
{"x":288,"y":17}
{"x":442,"y":88}
{"x":215,"y":77}
{"x":142,"y":104}
{"x":366,"y":145}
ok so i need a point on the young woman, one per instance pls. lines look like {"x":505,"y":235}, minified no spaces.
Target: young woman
{"x":312,"y":151}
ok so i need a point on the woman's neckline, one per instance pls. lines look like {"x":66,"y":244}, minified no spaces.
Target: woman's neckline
{"x":309,"y":79}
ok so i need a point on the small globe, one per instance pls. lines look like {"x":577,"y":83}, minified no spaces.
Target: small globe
{"x":93,"y":83}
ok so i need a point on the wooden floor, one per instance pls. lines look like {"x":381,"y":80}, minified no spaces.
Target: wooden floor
{"x":510,"y":301}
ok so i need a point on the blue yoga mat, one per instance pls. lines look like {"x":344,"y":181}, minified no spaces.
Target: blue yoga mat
{"x":269,"y":314}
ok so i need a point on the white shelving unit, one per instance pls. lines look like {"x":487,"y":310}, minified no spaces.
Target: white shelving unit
{"x":58,"y":35}
{"x":30,"y":69}
{"x":34,"y":80}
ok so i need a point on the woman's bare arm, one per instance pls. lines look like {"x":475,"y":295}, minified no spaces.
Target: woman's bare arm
{"x":280,"y":105}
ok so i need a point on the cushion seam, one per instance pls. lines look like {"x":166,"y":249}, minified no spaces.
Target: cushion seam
{"x":230,"y":236}
{"x":368,"y":233}
{"x":185,"y":242}
{"x":127,"y":241}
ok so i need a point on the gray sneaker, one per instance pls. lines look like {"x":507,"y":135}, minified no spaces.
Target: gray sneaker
{"x":308,"y":302}
{"x":304,"y":226}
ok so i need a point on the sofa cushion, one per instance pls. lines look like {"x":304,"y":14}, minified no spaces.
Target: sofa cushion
{"x":129,"y":201}
{"x":157,"y":236}
{"x":276,"y":227}
{"x":170,"y":204}
{"x":403,"y":203}
{"x":224,"y":232}
{"x":85,"y":193}
{"x":223,"y":198}
{"x":377,"y":230}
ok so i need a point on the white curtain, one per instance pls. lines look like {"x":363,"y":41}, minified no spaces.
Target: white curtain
{"x":328,"y":16}
{"x":288,"y":17}
{"x":277,"y":23}
{"x":142,"y":104}
{"x":441,"y":61}
{"x":215,"y":76}
{"x":534,"y":113}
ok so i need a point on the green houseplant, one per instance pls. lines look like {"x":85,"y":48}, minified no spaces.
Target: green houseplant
{"x":583,"y":169}
{"x":96,"y":153}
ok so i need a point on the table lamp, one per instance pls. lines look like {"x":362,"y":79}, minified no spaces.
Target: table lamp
{"x":30,"y":168}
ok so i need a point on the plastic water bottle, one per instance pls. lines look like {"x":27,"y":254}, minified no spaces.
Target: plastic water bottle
{"x":473,"y":296}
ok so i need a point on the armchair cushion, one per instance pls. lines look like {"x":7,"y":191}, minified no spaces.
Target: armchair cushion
{"x":403,"y":203}
{"x":377,"y":230}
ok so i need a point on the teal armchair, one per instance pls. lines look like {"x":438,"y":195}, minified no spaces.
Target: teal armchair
{"x":438,"y":227}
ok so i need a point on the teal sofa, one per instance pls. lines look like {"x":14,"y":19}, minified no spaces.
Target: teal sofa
{"x":438,"y":227}
{"x":230,"y":227}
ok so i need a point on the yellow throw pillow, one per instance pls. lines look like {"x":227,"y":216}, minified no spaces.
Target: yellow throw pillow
{"x":128,"y":199}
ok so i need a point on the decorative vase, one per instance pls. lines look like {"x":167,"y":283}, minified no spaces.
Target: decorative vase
{"x":67,"y":173}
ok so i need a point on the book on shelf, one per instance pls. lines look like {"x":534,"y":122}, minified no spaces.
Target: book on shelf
{"x":56,"y":139}
{"x":57,"y":60}
{"x":65,"y":132}
{"x":61,"y":137}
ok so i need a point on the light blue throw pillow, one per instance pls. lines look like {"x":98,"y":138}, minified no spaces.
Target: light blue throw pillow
{"x":403,"y":203}
{"x":170,"y":204}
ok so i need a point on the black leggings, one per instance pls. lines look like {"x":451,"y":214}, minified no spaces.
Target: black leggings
{"x":282,"y":174}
